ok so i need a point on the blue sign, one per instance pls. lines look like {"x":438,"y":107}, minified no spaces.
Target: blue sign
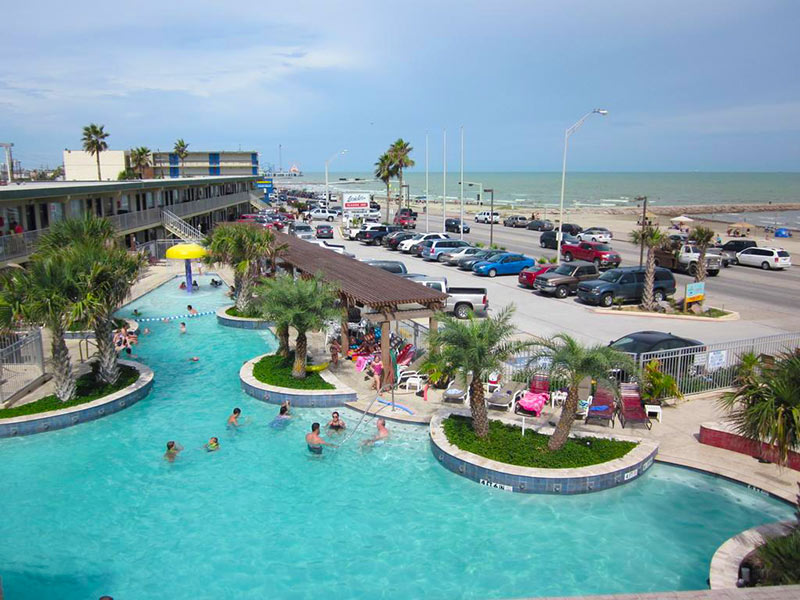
{"x":264,"y":183}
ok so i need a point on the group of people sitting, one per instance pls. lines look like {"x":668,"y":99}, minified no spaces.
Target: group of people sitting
{"x":124,"y":339}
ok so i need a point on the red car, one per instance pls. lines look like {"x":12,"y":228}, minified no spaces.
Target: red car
{"x":602,"y":255}
{"x":528,"y":276}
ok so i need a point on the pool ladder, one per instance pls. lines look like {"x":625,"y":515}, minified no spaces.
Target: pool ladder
{"x":361,"y":420}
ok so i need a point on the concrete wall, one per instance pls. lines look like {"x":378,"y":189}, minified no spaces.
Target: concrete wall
{"x":82,"y":166}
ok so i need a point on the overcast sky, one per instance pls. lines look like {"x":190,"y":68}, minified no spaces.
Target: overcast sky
{"x":689,"y":85}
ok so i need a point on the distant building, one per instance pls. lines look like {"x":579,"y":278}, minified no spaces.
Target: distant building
{"x":82,"y":166}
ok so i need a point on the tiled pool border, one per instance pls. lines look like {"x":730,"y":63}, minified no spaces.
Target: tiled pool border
{"x":273,"y":394}
{"x":240,"y":322}
{"x":529,"y":480}
{"x":75,"y":415}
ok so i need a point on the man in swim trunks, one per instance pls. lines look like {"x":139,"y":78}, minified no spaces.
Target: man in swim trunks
{"x":233,"y":420}
{"x":172,"y":451}
{"x":336,"y":423}
{"x":381,"y":436}
{"x":314,"y":441}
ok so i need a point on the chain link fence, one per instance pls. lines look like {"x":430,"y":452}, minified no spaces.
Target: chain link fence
{"x":21,"y":362}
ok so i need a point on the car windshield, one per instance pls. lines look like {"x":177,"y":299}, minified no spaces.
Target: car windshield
{"x":631,"y":345}
{"x":603,"y":248}
{"x":610,"y":276}
{"x":564,"y":270}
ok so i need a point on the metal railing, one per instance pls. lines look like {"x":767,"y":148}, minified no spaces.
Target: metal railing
{"x":414,"y":333}
{"x":21,"y":362}
{"x":177,"y":226}
{"x":258,"y":203}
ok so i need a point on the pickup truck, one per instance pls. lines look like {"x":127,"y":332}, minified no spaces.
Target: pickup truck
{"x":602,"y":255}
{"x":683,"y":258}
{"x":405,"y":217}
{"x":461,"y":300}
{"x":374,"y":235}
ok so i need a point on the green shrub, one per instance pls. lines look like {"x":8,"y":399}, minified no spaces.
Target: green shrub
{"x":780,"y":558}
{"x":276,"y":370}
{"x":506,"y":444}
{"x":242,"y":314}
{"x":89,"y":389}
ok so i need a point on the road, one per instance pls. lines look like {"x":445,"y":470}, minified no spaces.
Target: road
{"x":767,"y":301}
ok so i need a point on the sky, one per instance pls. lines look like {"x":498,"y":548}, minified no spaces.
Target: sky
{"x":689,"y":85}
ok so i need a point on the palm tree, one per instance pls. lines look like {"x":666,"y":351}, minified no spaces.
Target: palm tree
{"x":702,"y":238}
{"x":304,"y":304}
{"x":141,"y":158}
{"x":765,"y":406}
{"x":476,"y":347}
{"x":64,"y":233}
{"x":181,"y":149}
{"x":385,"y":170}
{"x":569,"y":361}
{"x":651,"y":238}
{"x":94,"y":142}
{"x":400,"y":155}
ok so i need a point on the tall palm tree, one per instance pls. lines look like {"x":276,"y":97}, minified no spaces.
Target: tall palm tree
{"x":702,"y":238}
{"x":385,"y":170}
{"x":651,"y":238}
{"x":181,"y":149}
{"x":304,"y":304}
{"x":569,"y":361}
{"x":765,"y":406}
{"x":141,"y":158}
{"x":476,"y":347}
{"x":94,"y":142}
{"x":400,"y":155}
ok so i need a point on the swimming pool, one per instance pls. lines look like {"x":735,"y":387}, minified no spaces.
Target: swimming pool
{"x":94,"y":509}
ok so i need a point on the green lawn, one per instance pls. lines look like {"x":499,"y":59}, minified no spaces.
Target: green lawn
{"x":89,"y":389}
{"x":506,"y":444}
{"x":275,"y":370}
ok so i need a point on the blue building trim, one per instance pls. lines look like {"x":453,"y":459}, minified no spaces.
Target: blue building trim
{"x":174,"y":172}
{"x":174,"y":161}
{"x":213,"y":158}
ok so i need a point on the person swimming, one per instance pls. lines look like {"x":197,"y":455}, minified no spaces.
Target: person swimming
{"x":191,"y":309}
{"x":381,"y":437}
{"x":172,"y":451}
{"x":314,"y":441}
{"x":136,"y":312}
{"x":195,"y":284}
{"x":183,"y":327}
{"x":182,"y":286}
{"x":336,"y":424}
{"x":233,"y":420}
{"x":282,"y":419}
{"x":212,"y":445}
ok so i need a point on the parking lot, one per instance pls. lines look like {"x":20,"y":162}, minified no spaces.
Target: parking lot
{"x":767,"y":301}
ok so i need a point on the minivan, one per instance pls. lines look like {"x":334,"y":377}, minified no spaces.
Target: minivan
{"x":486,"y":215}
{"x":395,"y":267}
{"x":626,"y":284}
{"x":439,"y":247}
{"x":766,"y":258}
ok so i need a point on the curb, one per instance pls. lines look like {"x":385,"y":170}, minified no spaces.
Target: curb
{"x":732,"y":316}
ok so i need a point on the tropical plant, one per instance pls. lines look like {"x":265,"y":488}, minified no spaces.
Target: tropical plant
{"x":651,"y":238}
{"x":765,"y":406}
{"x":657,"y":385}
{"x":475,"y":347}
{"x":304,"y":304}
{"x":385,"y":170}
{"x":94,"y":142}
{"x":141,"y":158}
{"x":569,"y":361}
{"x":181,"y":150}
{"x":702,"y":238}
{"x":400,"y":156}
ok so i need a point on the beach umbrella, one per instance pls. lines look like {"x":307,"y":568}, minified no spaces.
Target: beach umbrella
{"x":682,"y":219}
{"x":186,"y":253}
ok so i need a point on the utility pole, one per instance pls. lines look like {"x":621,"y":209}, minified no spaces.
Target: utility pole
{"x":491,"y":219}
{"x":280,"y":159}
{"x":9,"y":160}
{"x":643,"y":200}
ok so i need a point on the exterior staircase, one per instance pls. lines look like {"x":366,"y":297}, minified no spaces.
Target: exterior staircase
{"x":180,"y":228}
{"x":258,"y":203}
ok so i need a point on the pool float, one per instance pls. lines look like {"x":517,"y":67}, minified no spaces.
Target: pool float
{"x":317,"y":368}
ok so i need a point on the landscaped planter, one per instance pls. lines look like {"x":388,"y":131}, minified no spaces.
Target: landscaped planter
{"x":60,"y":419}
{"x":223,"y":318}
{"x":274,"y":394}
{"x":529,"y":480}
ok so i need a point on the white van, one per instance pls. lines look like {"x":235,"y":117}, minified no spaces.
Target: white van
{"x":485,"y":216}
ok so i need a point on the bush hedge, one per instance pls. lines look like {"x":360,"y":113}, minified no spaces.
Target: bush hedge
{"x":242,"y":314}
{"x":276,"y":370}
{"x":89,"y":389}
{"x":506,"y":444}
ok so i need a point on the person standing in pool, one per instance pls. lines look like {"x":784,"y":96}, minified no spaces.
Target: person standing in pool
{"x":183,"y":327}
{"x":380,"y":437}
{"x":192,"y":310}
{"x":314,"y":441}
{"x":233,"y":420}
{"x":336,"y":424}
{"x":282,"y":419}
{"x":172,"y":451}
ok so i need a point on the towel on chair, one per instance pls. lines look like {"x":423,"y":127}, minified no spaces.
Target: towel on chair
{"x":533,"y":402}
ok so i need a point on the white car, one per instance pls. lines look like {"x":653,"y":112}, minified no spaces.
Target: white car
{"x":486,"y":215}
{"x":322,"y":214}
{"x":594,"y":236}
{"x":405,"y":245}
{"x":766,"y":258}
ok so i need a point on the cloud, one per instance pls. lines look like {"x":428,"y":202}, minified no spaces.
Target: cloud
{"x":749,"y":119}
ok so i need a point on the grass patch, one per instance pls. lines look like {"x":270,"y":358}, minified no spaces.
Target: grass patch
{"x":276,"y":370}
{"x":506,"y":444}
{"x":89,"y":389}
{"x":242,"y":314}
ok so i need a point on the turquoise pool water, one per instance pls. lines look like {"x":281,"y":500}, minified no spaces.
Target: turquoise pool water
{"x":94,"y":509}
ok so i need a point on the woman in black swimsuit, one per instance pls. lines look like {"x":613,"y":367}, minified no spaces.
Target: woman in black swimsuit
{"x":336,"y":424}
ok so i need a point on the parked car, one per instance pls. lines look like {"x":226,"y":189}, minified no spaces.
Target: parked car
{"x":374,"y":235}
{"x":486,"y":215}
{"x":439,"y":247}
{"x":453,"y":256}
{"x":766,"y":258}
{"x":507,"y":263}
{"x":461,"y":300}
{"x":678,"y":238}
{"x":548,"y":239}
{"x":570,"y":228}
{"x":301,"y":230}
{"x":405,"y":217}
{"x":466,"y":263}
{"x":527,"y":277}
{"x":564,"y":280}
{"x":540,"y":225}
{"x":602,"y":255}
{"x":731,"y":248}
{"x":683,"y":258}
{"x":321,"y":214}
{"x":392,"y":266}
{"x":324,"y":231}
{"x":393,"y":239}
{"x":594,"y":236}
{"x":405,"y":245}
{"x":626,"y":284}
{"x":453,"y":225}
{"x":598,"y":230}
{"x":515,"y":221}
{"x":418,"y":248}
{"x":641,"y":342}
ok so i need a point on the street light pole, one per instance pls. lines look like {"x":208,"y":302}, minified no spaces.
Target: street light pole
{"x":567,"y":133}
{"x":491,"y":219}
{"x":444,"y":177}
{"x":461,"y":216}
{"x":427,"y":211}
{"x":644,"y":221}
{"x":330,"y":160}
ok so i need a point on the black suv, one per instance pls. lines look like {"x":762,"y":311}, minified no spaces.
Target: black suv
{"x":570,"y":228}
{"x":548,"y":239}
{"x":564,"y":279}
{"x":626,"y":284}
{"x":452,"y":225}
{"x":731,"y":248}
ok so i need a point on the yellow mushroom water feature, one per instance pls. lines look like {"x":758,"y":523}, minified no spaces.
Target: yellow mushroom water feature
{"x":186,"y":253}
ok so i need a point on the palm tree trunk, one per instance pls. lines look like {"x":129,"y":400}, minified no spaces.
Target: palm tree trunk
{"x":109,"y":367}
{"x":282,"y":331}
{"x":700,"y":274}
{"x":244,"y":291}
{"x":97,"y":156}
{"x":63,"y":376}
{"x":561,"y":434}
{"x":477,"y":406}
{"x":388,"y":200}
{"x":400,"y":196}
{"x":649,"y":280}
{"x":300,"y":350}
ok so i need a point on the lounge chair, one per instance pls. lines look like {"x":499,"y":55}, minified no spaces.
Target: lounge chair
{"x":505,"y":397}
{"x":603,"y":407}
{"x":456,"y":393}
{"x":631,"y":407}
{"x":530,"y":403}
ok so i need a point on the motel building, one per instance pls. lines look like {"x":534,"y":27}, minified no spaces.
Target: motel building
{"x":142,"y":211}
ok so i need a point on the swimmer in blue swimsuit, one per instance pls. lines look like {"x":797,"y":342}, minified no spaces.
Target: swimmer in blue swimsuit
{"x":381,"y":437}
{"x":314,"y":441}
